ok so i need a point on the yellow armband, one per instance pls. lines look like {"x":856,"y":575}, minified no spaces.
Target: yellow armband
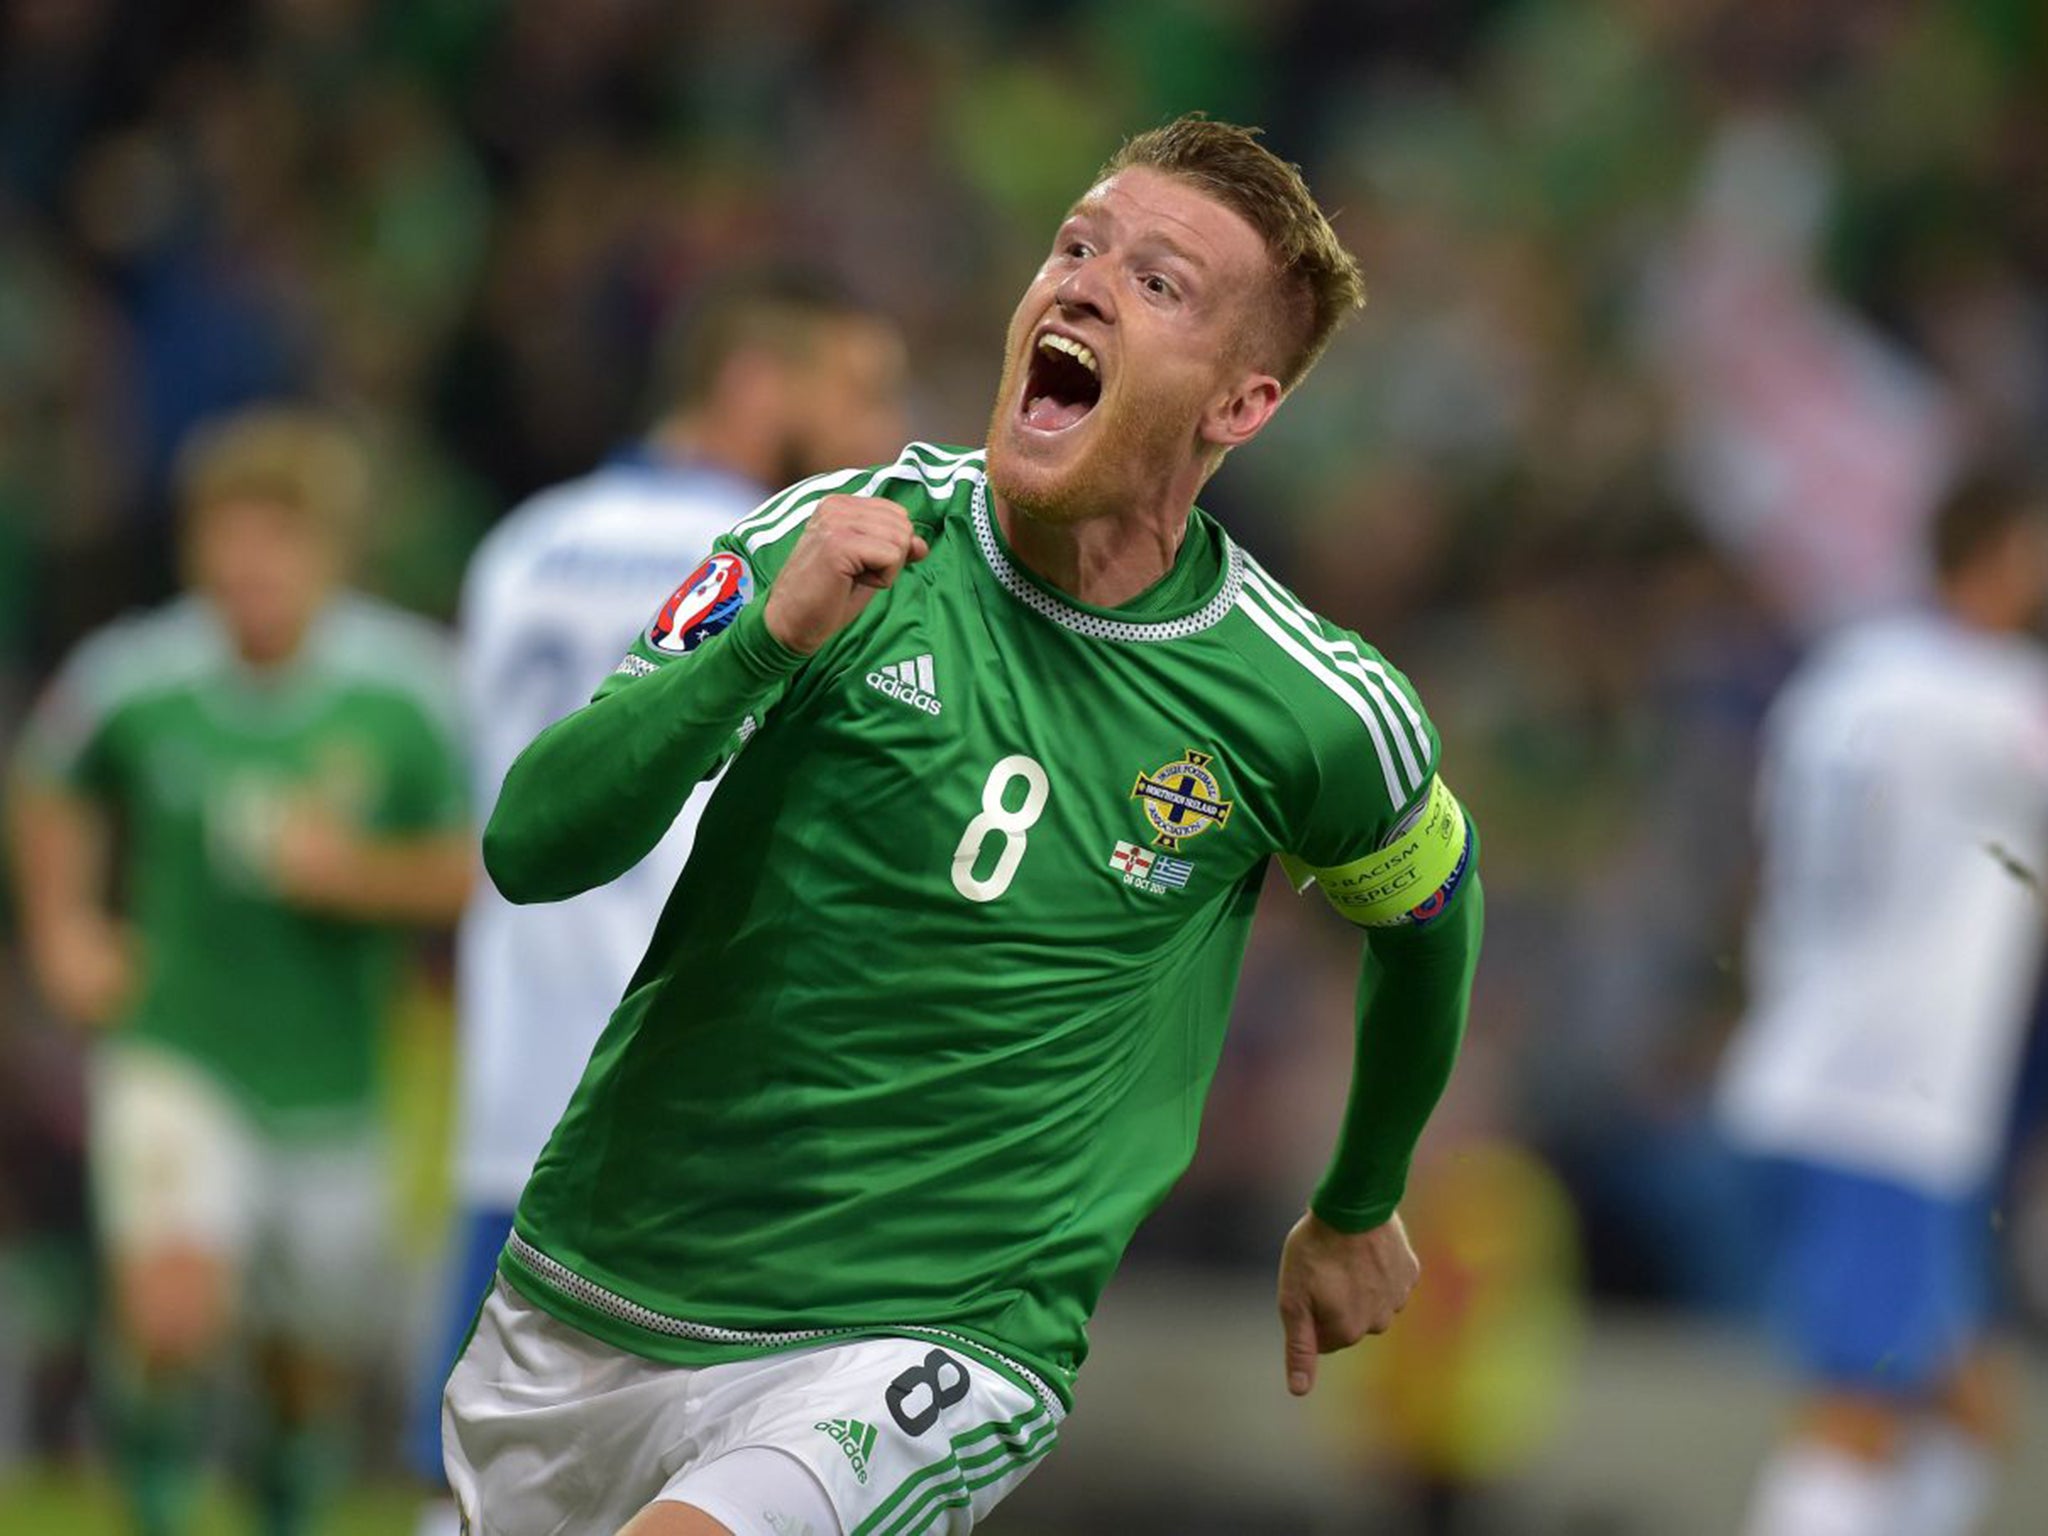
{"x":1408,"y":880}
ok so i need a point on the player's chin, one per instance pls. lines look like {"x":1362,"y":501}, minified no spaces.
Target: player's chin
{"x":1047,"y":493}
{"x":1028,"y":466}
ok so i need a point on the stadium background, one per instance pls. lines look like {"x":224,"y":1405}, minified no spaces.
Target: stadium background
{"x":1682,"y":311}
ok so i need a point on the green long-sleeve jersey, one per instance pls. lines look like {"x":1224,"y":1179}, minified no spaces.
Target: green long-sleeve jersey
{"x":926,"y":1026}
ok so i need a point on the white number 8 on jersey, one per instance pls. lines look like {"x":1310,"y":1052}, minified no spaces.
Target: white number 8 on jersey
{"x":994,"y":818}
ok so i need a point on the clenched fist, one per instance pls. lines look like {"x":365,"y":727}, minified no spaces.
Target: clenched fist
{"x":851,"y":548}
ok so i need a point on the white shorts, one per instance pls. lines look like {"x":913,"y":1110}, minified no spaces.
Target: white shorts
{"x":300,"y":1222}
{"x":544,"y":1429}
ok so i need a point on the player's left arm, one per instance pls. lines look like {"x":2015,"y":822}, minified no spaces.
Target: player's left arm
{"x":415,"y":861}
{"x":327,"y":866}
{"x":1347,"y":1267}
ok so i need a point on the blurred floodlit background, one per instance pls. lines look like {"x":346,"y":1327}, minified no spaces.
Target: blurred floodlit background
{"x":1682,"y":314}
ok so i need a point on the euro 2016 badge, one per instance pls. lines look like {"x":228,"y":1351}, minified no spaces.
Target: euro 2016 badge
{"x":1182,"y":800}
{"x":703,"y":605}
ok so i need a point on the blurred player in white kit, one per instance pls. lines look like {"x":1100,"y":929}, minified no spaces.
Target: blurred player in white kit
{"x":1893,"y":966}
{"x":767,"y":381}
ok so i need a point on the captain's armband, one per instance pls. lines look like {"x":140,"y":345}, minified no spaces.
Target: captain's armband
{"x":1408,"y":879}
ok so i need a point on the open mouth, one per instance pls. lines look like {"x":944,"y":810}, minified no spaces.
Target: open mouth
{"x":1063,"y":385}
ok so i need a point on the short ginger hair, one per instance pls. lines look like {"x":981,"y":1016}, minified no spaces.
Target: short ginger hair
{"x":1318,"y":283}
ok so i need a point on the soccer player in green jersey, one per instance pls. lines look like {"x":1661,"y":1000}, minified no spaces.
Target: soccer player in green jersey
{"x":1011,"y":735}
{"x":272,"y":759}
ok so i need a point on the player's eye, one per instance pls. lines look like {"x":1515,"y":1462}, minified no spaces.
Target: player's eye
{"x":1076,"y":250}
{"x":1159,"y":287}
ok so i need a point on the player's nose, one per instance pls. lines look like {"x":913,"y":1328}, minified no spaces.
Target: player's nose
{"x":1085,"y":291}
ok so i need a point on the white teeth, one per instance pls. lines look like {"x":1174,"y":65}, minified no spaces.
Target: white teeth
{"x":1074,"y":349}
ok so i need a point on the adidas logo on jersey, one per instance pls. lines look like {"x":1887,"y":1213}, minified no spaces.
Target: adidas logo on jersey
{"x":913,"y":682}
{"x":856,"y":1439}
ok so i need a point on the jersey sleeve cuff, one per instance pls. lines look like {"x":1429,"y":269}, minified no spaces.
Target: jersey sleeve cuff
{"x":755,"y":647}
{"x":1354,"y":1218}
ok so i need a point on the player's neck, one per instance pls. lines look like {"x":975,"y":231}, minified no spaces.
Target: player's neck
{"x":1102,"y":561}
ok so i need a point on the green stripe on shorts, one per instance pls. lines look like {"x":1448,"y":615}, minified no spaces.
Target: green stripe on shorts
{"x":1016,"y":1444}
{"x":939,"y":1498}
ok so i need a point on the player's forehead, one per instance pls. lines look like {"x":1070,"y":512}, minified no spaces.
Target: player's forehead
{"x":230,"y":518}
{"x":1141,"y":203}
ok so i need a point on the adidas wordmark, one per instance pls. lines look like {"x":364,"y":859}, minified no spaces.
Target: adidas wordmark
{"x":913,"y":682}
{"x":856,"y":1439}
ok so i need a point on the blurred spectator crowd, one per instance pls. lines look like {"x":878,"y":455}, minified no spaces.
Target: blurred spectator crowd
{"x":1682,"y":314}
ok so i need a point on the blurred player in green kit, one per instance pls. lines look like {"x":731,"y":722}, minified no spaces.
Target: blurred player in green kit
{"x":262,"y":770}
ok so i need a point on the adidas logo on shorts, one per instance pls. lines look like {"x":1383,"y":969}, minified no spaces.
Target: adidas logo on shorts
{"x":856,"y":1439}
{"x":910,"y":681}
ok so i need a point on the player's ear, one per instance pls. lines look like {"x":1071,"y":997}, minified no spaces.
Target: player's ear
{"x":1235,"y":418}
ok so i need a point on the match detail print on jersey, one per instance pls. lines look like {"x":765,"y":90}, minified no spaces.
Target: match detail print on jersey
{"x":1145,"y":870}
{"x":1412,"y":878}
{"x":705,"y":604}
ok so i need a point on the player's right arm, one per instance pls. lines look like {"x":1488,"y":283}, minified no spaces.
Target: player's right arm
{"x":596,"y":791}
{"x":82,"y":956}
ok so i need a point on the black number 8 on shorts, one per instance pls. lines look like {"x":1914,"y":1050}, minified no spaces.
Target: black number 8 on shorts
{"x":929,"y":1382}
